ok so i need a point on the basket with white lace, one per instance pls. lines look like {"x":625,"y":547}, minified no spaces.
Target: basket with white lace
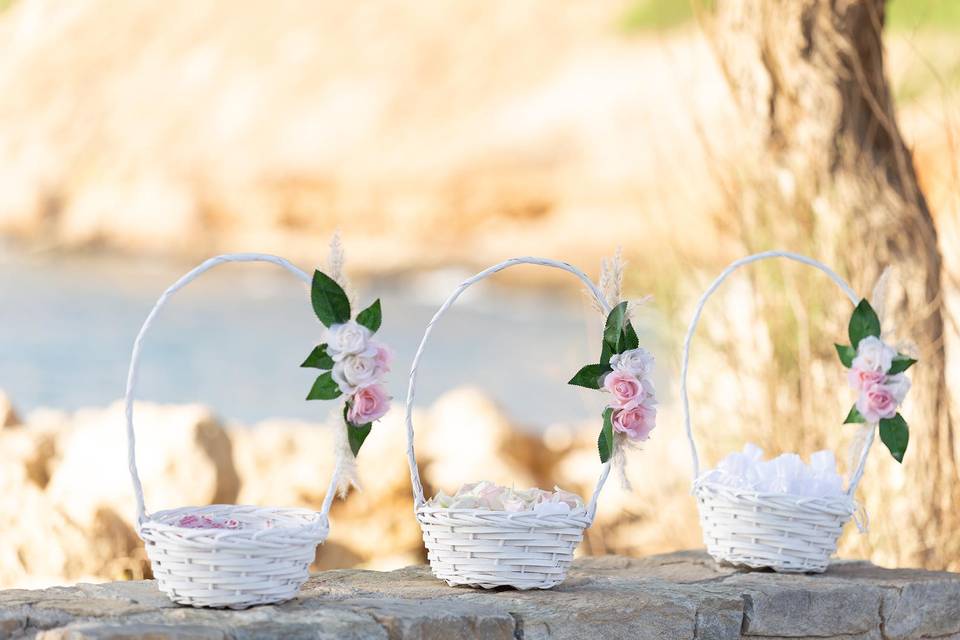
{"x":784,"y":514}
{"x":489,"y":536}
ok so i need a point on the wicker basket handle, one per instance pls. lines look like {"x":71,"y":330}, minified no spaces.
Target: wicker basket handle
{"x":854,"y":298}
{"x":418,"y":498}
{"x":135,"y":363}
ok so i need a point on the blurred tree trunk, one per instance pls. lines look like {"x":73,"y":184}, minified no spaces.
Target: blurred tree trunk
{"x":808,"y":75}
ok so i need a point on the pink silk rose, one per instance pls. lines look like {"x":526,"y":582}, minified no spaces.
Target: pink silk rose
{"x":861,"y":380}
{"x":625,"y":388}
{"x":877,"y":402}
{"x":383,"y":358}
{"x":637,"y":421}
{"x":369,"y":403}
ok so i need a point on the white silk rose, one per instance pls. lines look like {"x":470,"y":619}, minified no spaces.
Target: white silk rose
{"x":349,"y":338}
{"x":353,"y":371}
{"x":873,"y":354}
{"x":637,"y":362}
{"x":899,"y":385}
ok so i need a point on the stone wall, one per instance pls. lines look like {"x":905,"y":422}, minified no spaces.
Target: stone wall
{"x":680,"y":595}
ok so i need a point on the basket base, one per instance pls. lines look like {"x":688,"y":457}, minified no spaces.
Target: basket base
{"x":783,"y":532}
{"x":762,"y":567}
{"x":497,"y":549}
{"x":240,"y":606}
{"x":491,"y":582}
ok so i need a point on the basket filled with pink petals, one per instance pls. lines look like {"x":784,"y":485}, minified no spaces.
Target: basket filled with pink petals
{"x":237,"y":556}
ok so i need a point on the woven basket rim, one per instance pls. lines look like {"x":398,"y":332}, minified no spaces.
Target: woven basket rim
{"x":314,"y":521}
{"x":579,"y":513}
{"x":824,"y":502}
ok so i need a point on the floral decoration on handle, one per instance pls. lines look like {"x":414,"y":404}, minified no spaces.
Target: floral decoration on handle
{"x":353,"y":363}
{"x":877,"y":374}
{"x":625,"y":371}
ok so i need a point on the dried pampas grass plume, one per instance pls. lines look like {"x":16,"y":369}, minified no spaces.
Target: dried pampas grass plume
{"x":345,"y":467}
{"x":611,"y":278}
{"x":611,"y":285}
{"x":335,"y":263}
{"x":878,"y":299}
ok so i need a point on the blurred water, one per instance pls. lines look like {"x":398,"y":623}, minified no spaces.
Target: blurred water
{"x":234,"y":338}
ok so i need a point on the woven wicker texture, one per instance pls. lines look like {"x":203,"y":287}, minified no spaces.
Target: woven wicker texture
{"x":785,"y":532}
{"x":263,"y":555}
{"x":488,"y":549}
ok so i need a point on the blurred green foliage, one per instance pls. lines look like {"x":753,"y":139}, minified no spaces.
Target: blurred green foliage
{"x":924,"y":14}
{"x":661,"y":15}
{"x":941,"y":74}
{"x":656,"y":15}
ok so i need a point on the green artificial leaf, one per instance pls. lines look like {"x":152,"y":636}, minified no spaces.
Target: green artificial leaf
{"x":589,"y":376}
{"x":606,"y":352}
{"x":318,"y":358}
{"x":864,"y":322}
{"x":356,"y":433}
{"x":613,"y":332}
{"x":325,"y":388}
{"x":900,"y":364}
{"x":846,"y":353}
{"x":371,"y":316}
{"x":618,"y":334}
{"x":630,"y":339}
{"x":895,"y":434}
{"x":605,"y":441}
{"x":854,"y":417}
{"x":329,"y":300}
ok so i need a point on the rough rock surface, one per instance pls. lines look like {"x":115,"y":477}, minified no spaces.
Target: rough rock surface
{"x":8,"y":415}
{"x":66,"y":505}
{"x":680,"y":595}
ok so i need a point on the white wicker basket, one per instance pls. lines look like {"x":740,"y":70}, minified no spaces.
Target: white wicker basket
{"x":488,"y":549}
{"x":781,"y":531}
{"x":264,"y":558}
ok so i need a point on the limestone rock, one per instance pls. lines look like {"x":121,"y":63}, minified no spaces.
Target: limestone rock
{"x":98,"y":631}
{"x":680,"y":595}
{"x":377,"y":521}
{"x":184,"y":458}
{"x":467,"y":438}
{"x":36,"y":540}
{"x":66,"y":502}
{"x":31,"y":450}
{"x":8,"y":416}
{"x":655,"y":514}
{"x":283,"y":462}
{"x":289,"y":463}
